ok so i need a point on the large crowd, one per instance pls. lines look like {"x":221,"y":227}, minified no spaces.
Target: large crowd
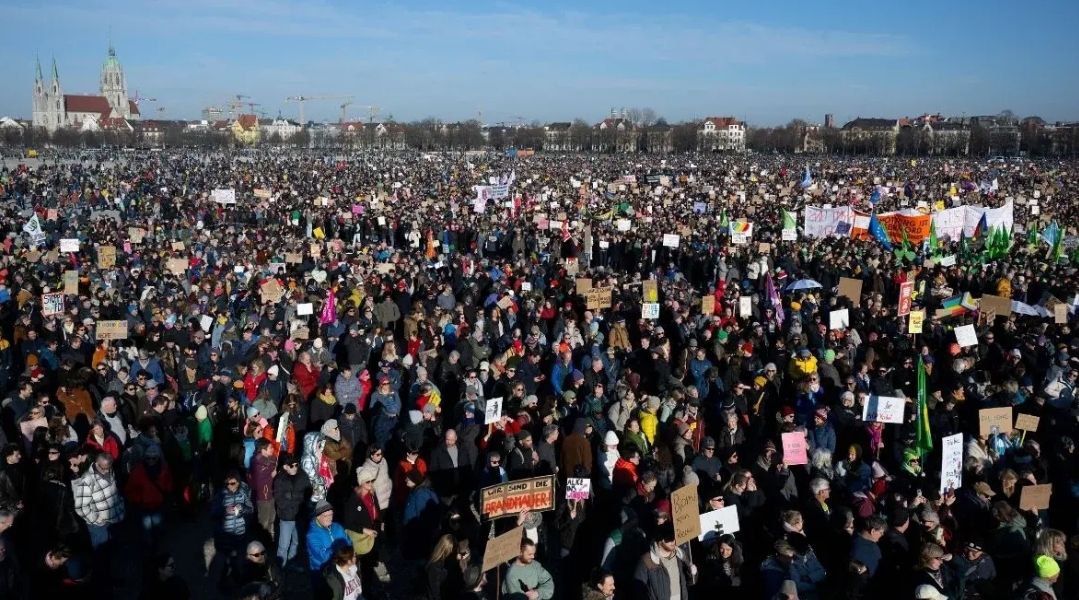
{"x":323,"y":362}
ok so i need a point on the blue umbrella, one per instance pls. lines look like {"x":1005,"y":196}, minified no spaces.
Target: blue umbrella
{"x":803,"y":284}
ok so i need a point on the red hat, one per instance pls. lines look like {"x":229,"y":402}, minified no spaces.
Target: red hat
{"x":787,"y":411}
{"x":37,"y":372}
{"x":822,"y":414}
{"x":954,"y":349}
{"x":747,"y":348}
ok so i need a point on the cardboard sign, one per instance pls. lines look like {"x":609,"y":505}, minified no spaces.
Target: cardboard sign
{"x":708,"y":305}
{"x":839,"y":319}
{"x":578,"y":488}
{"x":271,"y":291}
{"x":995,"y":304}
{"x":111,"y":330}
{"x":1027,"y":422}
{"x":671,"y":240}
{"x":106,"y":257}
{"x":1060,"y":314}
{"x":789,"y":235}
{"x":305,"y":308}
{"x":851,"y":288}
{"x":293,"y":258}
{"x":223,"y":196}
{"x":262,"y":193}
{"x":650,"y":290}
{"x":718,"y":523}
{"x":764,"y":247}
{"x":206,"y":322}
{"x":52,"y":304}
{"x":951,"y":469}
{"x":71,"y":283}
{"x":135,"y":234}
{"x":177,"y":266}
{"x":745,"y":307}
{"x":598,"y":298}
{"x":1035,"y":497}
{"x":795,"y":450}
{"x":69,"y":245}
{"x":503,"y":548}
{"x":510,"y":498}
{"x":505,"y":303}
{"x":906,"y":296}
{"x":583,"y":285}
{"x":965,"y":336}
{"x":883,"y":409}
{"x":650,"y":310}
{"x":178,"y":246}
{"x":492,"y":410}
{"x":915,"y":321}
{"x":994,"y":420}
{"x":685,"y":514}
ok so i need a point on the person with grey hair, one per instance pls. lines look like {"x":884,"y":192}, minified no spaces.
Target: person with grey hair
{"x":253,"y":572}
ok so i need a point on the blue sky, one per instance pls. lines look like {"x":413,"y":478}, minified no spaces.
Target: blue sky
{"x":765,"y":61}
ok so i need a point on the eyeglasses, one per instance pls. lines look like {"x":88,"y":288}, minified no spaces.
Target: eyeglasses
{"x":256,"y":554}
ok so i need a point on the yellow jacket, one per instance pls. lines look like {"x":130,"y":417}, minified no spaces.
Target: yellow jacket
{"x":649,"y":423}
{"x":801,"y":368}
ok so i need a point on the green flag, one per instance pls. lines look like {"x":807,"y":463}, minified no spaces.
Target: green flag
{"x":924,"y":442}
{"x":724,"y":222}
{"x":1057,"y":250}
{"x":789,"y":221}
{"x":1032,"y":238}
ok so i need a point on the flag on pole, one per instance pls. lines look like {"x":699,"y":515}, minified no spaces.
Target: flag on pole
{"x":789,"y":220}
{"x":934,"y":243}
{"x":807,"y":180}
{"x":773,"y":298}
{"x":924,"y":442}
{"x":329,"y":310}
{"x":878,"y":232}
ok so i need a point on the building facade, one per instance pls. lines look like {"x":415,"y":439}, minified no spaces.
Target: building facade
{"x":722,"y":133}
{"x":53,"y":109}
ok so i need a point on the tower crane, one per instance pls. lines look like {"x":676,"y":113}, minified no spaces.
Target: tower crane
{"x":302,"y":100}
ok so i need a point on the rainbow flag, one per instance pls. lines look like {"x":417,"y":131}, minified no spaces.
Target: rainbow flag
{"x":741,"y":226}
{"x":957,"y":305}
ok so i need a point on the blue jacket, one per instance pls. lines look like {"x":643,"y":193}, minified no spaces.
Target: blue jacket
{"x":559,"y":372}
{"x":321,"y":541}
{"x":417,"y":502}
{"x":822,"y":437}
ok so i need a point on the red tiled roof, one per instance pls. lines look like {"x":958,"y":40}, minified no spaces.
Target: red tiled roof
{"x":86,"y":104}
{"x":248,"y":121}
{"x":723,"y":121}
{"x":114,"y":123}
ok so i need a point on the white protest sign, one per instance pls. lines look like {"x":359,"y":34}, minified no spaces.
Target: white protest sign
{"x":206,"y":322}
{"x":578,"y":488}
{"x":223,"y":196}
{"x":69,"y":245}
{"x":839,"y":319}
{"x":719,"y":522}
{"x":52,"y":304}
{"x":951,"y":458}
{"x":789,"y":235}
{"x":671,"y":240}
{"x":622,"y":224}
{"x":304,"y":309}
{"x":966,"y":336}
{"x":745,"y":307}
{"x":650,"y":310}
{"x":492,"y":411}
{"x":883,"y":409}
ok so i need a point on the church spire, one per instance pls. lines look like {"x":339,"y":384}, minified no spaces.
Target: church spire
{"x":38,"y":77}
{"x":112,"y":50}
{"x":55,"y":71}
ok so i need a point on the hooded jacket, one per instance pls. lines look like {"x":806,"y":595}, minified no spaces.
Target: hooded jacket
{"x":312,"y":464}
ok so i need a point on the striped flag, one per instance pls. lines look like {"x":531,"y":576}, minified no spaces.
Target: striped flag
{"x":924,"y":442}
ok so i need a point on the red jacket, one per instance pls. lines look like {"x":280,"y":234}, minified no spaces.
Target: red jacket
{"x":145,"y":493}
{"x":111,"y":445}
{"x":625,"y":474}
{"x":306,"y":379}
{"x":252,"y":383}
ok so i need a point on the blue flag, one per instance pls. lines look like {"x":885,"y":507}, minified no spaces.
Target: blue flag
{"x":878,"y":232}
{"x":808,"y":179}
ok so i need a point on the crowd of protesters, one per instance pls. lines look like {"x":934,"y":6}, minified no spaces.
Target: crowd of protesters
{"x":314,"y":378}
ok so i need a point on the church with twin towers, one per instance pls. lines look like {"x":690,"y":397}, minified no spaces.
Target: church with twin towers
{"x":53,"y":109}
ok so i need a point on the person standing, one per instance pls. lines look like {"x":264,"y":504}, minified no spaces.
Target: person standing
{"x":526,"y":578}
{"x":664,"y":572}
{"x":290,"y":490}
{"x":98,"y":501}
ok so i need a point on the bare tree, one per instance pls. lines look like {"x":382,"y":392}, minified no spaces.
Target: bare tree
{"x":648,"y":116}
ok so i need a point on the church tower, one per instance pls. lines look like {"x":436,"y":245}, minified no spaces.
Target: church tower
{"x":41,"y":99}
{"x":54,"y":102}
{"x":114,"y":86}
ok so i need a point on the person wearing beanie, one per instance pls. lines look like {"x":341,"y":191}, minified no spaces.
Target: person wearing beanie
{"x":608,"y":457}
{"x":1046,"y":573}
{"x":322,"y":536}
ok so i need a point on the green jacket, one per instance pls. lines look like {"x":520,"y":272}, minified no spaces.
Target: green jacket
{"x":521,"y":578}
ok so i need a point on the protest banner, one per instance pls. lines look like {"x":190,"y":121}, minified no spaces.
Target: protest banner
{"x":995,"y":305}
{"x":795,"y":450}
{"x":951,"y":469}
{"x":915,"y":321}
{"x":1027,"y":422}
{"x":502,"y":548}
{"x":906,"y":296}
{"x":106,"y":257}
{"x":69,"y":245}
{"x":583,"y":285}
{"x":650,"y":310}
{"x":883,"y":409}
{"x":535,"y":494}
{"x":717,"y":523}
{"x":598,"y":298}
{"x":839,"y":319}
{"x":71,"y":282}
{"x":52,"y":304}
{"x":708,"y":305}
{"x":177,"y":266}
{"x":578,"y":488}
{"x":1035,"y":497}
{"x":852,"y":289}
{"x":994,"y":420}
{"x":671,"y":240}
{"x":111,"y":330}
{"x":685,"y":513}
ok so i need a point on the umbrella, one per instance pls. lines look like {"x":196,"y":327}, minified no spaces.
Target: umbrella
{"x":803,"y":284}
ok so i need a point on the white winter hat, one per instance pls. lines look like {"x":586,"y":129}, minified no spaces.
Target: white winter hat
{"x":611,"y":439}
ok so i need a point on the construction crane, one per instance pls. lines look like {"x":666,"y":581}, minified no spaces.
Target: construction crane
{"x":139,"y":98}
{"x":344,"y":114}
{"x":302,"y":100}
{"x":161,"y":113}
{"x":236,"y":105}
{"x":251,"y":106}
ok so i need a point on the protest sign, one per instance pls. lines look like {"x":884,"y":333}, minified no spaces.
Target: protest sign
{"x":1027,"y":422}
{"x":685,"y":514}
{"x":718,"y":523}
{"x":177,"y":266}
{"x":492,"y":410}
{"x":915,"y":321}
{"x":578,"y":488}
{"x":951,"y":469}
{"x":708,"y":305}
{"x":135,"y":234}
{"x":111,"y":330}
{"x":671,"y":240}
{"x":649,"y":290}
{"x":262,"y":193}
{"x":271,"y":291}
{"x":1035,"y":497}
{"x":502,"y":548}
{"x":535,"y":494}
{"x":305,"y":308}
{"x":906,"y":295}
{"x":839,"y":319}
{"x":69,"y":245}
{"x":650,"y":310}
{"x":52,"y":304}
{"x":966,"y":336}
{"x":622,"y":224}
{"x":583,"y":285}
{"x":293,"y":258}
{"x":223,"y":196}
{"x":883,"y":409}
{"x":745,"y":307}
{"x":1060,"y":313}
{"x":71,"y":282}
{"x":106,"y":257}
{"x":995,"y":305}
{"x":994,"y":420}
{"x":206,"y":322}
{"x":178,"y":246}
{"x":598,"y":298}
{"x":852,"y":289}
{"x":795,"y":451}
{"x":789,"y":235}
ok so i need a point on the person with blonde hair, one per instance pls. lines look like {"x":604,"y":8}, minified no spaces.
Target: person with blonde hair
{"x":437,"y":568}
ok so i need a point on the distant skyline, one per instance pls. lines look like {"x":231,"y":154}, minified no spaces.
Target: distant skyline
{"x":765,"y":62}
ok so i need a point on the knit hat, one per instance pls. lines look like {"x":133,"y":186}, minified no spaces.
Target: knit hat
{"x":365,"y":474}
{"x":201,"y":413}
{"x":273,"y":371}
{"x":322,"y":507}
{"x":1046,"y":567}
{"x":252,"y":412}
{"x":330,"y":430}
{"x":611,"y":439}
